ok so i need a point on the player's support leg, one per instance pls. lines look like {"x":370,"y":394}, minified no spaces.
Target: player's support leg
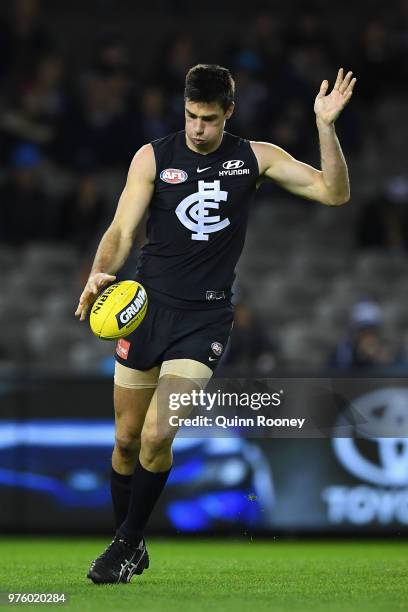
{"x":156,"y":458}
{"x":133,"y":391}
{"x":151,"y":472}
{"x":127,"y":555}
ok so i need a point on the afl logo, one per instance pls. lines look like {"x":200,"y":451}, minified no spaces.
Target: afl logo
{"x":233,"y":164}
{"x":173,"y":176}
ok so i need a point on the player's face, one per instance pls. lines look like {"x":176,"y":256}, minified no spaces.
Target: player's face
{"x":205,"y":124}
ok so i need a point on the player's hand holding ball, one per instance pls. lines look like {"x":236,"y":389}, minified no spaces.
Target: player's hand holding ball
{"x":117,"y":311}
{"x":95,"y":283}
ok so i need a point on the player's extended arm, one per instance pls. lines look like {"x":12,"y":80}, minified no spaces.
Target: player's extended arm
{"x":330,"y":185}
{"x":117,"y":241}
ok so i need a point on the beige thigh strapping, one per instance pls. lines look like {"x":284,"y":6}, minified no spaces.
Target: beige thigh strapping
{"x":135,"y":379}
{"x":187,"y":368}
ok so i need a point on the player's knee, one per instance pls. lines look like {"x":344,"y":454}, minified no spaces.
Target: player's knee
{"x":127,"y":446}
{"x":154,"y":444}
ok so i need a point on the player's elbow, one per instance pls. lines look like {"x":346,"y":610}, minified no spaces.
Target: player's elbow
{"x":340,"y":201}
{"x":337,"y":199}
{"x":330,"y":193}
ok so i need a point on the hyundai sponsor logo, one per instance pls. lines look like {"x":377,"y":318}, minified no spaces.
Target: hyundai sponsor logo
{"x":233,"y":164}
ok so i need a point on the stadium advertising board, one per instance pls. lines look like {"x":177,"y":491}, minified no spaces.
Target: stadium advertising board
{"x":344,"y":468}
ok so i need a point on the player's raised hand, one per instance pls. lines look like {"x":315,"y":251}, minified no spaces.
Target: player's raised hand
{"x":329,"y":106}
{"x":95,"y":284}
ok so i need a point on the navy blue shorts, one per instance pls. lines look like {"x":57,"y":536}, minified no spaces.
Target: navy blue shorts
{"x":171,"y":333}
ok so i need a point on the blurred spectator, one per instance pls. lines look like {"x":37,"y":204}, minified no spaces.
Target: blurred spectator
{"x":375,"y":54}
{"x":365,"y":345}
{"x":310,"y":51}
{"x":265,"y":40}
{"x":309,"y":65}
{"x":288,"y":132}
{"x":383,"y":221}
{"x":400,"y":34}
{"x":82,"y":212}
{"x":100,"y":127}
{"x":101,"y":131}
{"x":112,"y":53}
{"x":47,"y":85}
{"x":37,"y":110}
{"x":154,"y":117}
{"x":251,"y":97}
{"x":308,"y":31}
{"x":25,"y":120}
{"x":23,"y":39}
{"x":174,"y":59}
{"x":249,"y":351}
{"x":26,"y":211}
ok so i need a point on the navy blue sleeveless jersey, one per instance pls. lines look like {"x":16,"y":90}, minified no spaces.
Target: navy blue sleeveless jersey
{"x":197,"y":221}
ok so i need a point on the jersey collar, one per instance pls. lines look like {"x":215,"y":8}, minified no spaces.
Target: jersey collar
{"x":223,"y":146}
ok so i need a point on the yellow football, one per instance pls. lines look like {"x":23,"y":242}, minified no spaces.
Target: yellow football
{"x":118,"y":310}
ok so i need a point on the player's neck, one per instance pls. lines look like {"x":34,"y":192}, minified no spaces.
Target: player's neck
{"x":206,"y":149}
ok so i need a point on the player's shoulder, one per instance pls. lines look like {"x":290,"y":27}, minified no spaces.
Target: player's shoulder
{"x":169,"y":140}
{"x":237,"y":141}
{"x":143,"y":163}
{"x":265,"y":148}
{"x":261,"y":146}
{"x":238,"y":146}
{"x":242,"y":150}
{"x":266,"y":153}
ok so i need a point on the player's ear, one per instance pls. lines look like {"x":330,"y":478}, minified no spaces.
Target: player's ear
{"x":229,"y":110}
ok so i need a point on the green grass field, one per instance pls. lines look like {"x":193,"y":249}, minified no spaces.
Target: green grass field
{"x":227,"y":575}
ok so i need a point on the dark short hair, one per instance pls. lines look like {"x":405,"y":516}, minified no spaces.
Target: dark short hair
{"x":210,"y":83}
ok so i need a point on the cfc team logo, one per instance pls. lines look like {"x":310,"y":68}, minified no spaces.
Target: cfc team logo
{"x":217,"y":348}
{"x":194,"y":210}
{"x":173,"y":176}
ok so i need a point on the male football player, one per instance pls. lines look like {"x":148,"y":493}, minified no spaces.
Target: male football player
{"x":198,"y":185}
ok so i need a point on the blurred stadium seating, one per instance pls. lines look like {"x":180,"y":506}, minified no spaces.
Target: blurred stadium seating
{"x":302,"y":267}
{"x":301,"y":289}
